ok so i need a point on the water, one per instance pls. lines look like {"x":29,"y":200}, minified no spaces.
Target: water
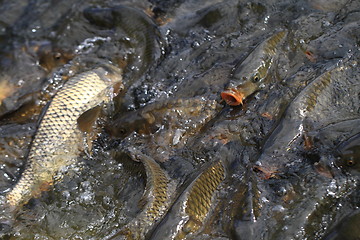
{"x":189,"y":52}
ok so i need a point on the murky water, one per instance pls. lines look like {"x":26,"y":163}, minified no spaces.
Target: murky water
{"x":287,"y":157}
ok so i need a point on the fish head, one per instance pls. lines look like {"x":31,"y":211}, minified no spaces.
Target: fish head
{"x":54,"y":58}
{"x":251,"y":74}
{"x":348,"y":154}
{"x":247,"y":77}
{"x":349,"y":159}
{"x":49,"y":56}
{"x":124,"y":125}
{"x":246,"y":81}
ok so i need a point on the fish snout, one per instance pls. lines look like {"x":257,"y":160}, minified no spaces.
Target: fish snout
{"x":268,"y":166}
{"x":232,"y":97}
{"x":235,"y":95}
{"x":266,"y":172}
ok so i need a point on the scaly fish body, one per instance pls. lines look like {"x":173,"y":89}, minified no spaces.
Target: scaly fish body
{"x":250,"y":76}
{"x":176,"y":112}
{"x":157,"y":195}
{"x":324,"y":101}
{"x":57,"y":141}
{"x":191,"y":209}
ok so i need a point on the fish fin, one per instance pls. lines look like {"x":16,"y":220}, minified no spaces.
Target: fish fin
{"x":117,"y":88}
{"x":308,"y":142}
{"x":307,"y":135}
{"x":323,"y":169}
{"x":87,"y":124}
{"x":43,"y":112}
{"x":87,"y":120}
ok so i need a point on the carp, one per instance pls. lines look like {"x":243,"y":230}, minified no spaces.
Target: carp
{"x":57,"y":141}
{"x":191,"y":209}
{"x":348,"y":153}
{"x":326,"y":100}
{"x":252,"y":74}
{"x":156,"y":196}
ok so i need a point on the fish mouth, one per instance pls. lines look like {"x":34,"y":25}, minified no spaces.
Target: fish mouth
{"x":266,"y":172}
{"x":232,"y":97}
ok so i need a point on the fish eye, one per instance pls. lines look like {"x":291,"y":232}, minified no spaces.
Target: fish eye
{"x":122,"y":131}
{"x":57,"y":55}
{"x":350,"y":162}
{"x":256,"y":78}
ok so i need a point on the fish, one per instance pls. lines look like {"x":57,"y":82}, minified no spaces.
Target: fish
{"x":136,"y":121}
{"x":57,"y":141}
{"x":173,"y":111}
{"x":6,"y":90}
{"x":191,"y":209}
{"x":346,"y":228}
{"x":52,"y":57}
{"x":156,"y":196}
{"x":348,"y":153}
{"x":164,"y":126}
{"x":141,"y":30}
{"x":322,"y":102}
{"x":252,"y":74}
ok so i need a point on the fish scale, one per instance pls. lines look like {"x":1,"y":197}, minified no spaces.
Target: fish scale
{"x":199,"y":200}
{"x":192,"y":207}
{"x":157,"y":194}
{"x":57,"y":141}
{"x":200,"y":197}
{"x":313,"y":108}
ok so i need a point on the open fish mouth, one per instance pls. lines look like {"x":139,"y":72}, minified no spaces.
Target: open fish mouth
{"x":232,"y":97}
{"x":267,"y":172}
